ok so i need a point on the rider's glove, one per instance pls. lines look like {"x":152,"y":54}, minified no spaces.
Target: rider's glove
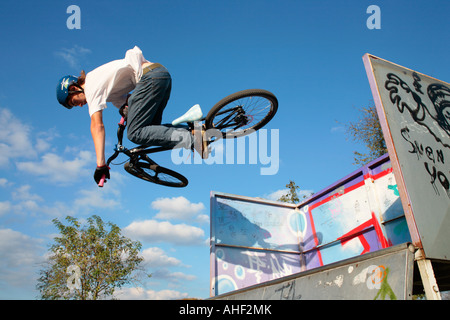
{"x":124,"y":110}
{"x":100,"y":171}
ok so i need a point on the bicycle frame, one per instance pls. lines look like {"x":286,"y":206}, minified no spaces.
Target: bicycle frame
{"x":135,"y":153}
{"x":234,"y":117}
{"x":237,"y":116}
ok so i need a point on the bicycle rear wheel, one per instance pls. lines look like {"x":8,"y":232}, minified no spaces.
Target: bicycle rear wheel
{"x":152,"y":172}
{"x":242,"y":113}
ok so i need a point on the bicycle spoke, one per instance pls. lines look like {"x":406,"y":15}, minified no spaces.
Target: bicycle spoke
{"x":166,"y":178}
{"x":152,"y":172}
{"x":255,"y":108}
{"x":243,"y":112}
{"x":222,"y":123}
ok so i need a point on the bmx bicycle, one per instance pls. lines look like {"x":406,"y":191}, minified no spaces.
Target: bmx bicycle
{"x":236,"y":115}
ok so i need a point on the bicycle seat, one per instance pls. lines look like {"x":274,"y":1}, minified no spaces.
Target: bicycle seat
{"x":193,"y":114}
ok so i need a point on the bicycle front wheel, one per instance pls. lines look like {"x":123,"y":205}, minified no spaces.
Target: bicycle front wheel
{"x":152,"y":172}
{"x":242,"y":113}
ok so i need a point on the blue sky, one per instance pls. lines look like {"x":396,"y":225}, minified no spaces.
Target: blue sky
{"x":308,"y":53}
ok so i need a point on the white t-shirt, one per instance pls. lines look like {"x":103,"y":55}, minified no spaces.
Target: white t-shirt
{"x":113,"y":81}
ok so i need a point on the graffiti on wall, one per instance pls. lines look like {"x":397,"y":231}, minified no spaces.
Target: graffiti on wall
{"x":381,"y":275}
{"x":414,"y":113}
{"x":429,"y":119}
{"x":254,"y":241}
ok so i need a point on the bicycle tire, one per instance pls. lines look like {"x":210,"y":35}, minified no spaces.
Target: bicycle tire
{"x":253,"y":97}
{"x":152,"y":172}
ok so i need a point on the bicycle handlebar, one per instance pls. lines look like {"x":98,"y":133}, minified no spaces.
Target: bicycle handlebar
{"x":102,"y":181}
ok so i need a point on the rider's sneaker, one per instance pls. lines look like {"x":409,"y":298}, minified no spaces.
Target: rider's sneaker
{"x":193,"y":114}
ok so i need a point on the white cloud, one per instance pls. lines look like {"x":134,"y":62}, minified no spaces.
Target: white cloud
{"x":108,"y":197}
{"x":23,"y":193}
{"x":337,"y":129}
{"x":15,"y":140}
{"x":173,"y":277}
{"x":73,"y":55}
{"x":275,"y":195}
{"x":18,"y":259}
{"x":15,"y":248}
{"x":177,"y":208}
{"x":202,"y":218}
{"x":24,"y":202}
{"x":58,"y":210}
{"x":5,"y":207}
{"x":142,"y":294}
{"x":21,"y":202}
{"x":4,"y":183}
{"x":87,"y":201}
{"x":44,"y":138}
{"x":96,"y":198}
{"x":54,"y":168}
{"x":156,"y":231}
{"x":156,"y":257}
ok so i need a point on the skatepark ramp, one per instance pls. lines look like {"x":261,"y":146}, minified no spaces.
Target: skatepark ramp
{"x":254,"y":241}
{"x":383,"y":274}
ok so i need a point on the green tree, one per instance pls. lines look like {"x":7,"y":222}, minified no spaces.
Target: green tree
{"x":292,"y":195}
{"x":88,"y":262}
{"x":367,"y":130}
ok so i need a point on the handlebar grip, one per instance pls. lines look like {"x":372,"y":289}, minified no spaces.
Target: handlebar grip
{"x":102,"y":181}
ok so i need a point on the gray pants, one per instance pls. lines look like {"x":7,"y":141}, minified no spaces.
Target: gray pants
{"x":145,"y":109}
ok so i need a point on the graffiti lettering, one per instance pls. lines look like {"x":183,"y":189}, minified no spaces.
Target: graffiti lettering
{"x":385,"y":288}
{"x":437,"y":119}
{"x":433,"y":157}
{"x":287,"y":291}
{"x":279,"y":271}
{"x":440,"y":176}
{"x":376,"y":277}
{"x":417,"y":111}
{"x":418,"y":148}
